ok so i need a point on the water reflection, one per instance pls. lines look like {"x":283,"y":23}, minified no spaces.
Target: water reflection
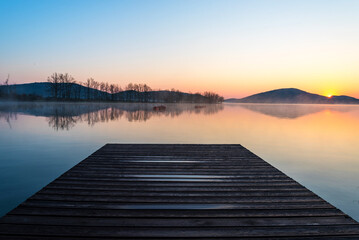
{"x":64,"y":116}
{"x":317,"y":145}
{"x":292,"y":111}
{"x":8,"y":116}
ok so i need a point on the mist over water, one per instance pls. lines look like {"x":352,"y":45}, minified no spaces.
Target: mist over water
{"x":317,"y":145}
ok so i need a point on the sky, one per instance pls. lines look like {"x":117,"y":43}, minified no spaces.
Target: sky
{"x":235,"y":48}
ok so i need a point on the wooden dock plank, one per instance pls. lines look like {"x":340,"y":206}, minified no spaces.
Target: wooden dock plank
{"x":179,"y":222}
{"x":185,"y":232}
{"x":175,"y":191}
{"x":176,"y":213}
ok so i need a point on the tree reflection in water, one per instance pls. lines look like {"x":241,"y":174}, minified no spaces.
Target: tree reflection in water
{"x":64,"y":116}
{"x":8,"y":116}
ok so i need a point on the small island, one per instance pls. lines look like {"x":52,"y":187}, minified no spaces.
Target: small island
{"x":293,"y":96}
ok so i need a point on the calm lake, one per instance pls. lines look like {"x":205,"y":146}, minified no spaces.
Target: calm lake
{"x":317,"y":145}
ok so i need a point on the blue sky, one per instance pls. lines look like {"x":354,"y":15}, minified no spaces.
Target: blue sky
{"x":232,"y":47}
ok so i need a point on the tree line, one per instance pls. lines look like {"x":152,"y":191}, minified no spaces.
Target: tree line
{"x":64,"y":87}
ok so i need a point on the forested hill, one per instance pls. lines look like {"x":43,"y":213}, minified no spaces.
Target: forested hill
{"x":293,"y":95}
{"x":78,"y":92}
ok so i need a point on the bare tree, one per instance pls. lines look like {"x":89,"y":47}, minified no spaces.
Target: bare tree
{"x":61,"y":85}
{"x":88,"y":85}
{"x":54,"y":81}
{"x":94,"y":85}
{"x":112,"y":91}
{"x":146,"y":89}
{"x":78,"y":90}
{"x":102,"y":89}
{"x":69,"y":83}
{"x":213,"y":97}
{"x":5,"y":90}
{"x":107,"y":89}
{"x":6,"y":83}
{"x":117,"y":90}
{"x":129,"y":87}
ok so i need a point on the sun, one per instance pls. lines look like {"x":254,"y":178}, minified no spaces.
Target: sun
{"x":329,"y":93}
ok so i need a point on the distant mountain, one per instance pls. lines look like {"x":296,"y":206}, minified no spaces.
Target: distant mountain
{"x":293,"y":95}
{"x":43,"y":90}
{"x":344,"y":100}
{"x":38,"y":89}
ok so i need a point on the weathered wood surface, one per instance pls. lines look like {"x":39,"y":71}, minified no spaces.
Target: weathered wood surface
{"x":175,"y":191}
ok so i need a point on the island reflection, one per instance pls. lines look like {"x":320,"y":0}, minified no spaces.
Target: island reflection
{"x":64,"y":116}
{"x":293,"y":111}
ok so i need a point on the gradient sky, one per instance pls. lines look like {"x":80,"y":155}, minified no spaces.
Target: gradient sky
{"x":235,"y":48}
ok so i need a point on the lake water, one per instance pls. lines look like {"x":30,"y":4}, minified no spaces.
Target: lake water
{"x":317,"y":145}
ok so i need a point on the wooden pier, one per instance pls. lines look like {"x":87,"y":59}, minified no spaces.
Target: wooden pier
{"x":175,"y":191}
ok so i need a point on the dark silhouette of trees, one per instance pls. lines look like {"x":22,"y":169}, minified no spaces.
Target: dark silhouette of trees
{"x":113,"y":89}
{"x":102,"y":88}
{"x":63,"y":87}
{"x":54,"y":81}
{"x":6,"y":83}
{"x":146,"y":89}
{"x":6,"y":90}
{"x":213,"y":97}
{"x":67,"y":83}
{"x":78,"y":90}
{"x":2,"y":89}
{"x":88,"y":86}
{"x":96,"y":93}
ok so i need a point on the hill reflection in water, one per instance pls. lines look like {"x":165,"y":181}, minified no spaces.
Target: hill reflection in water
{"x":64,"y":116}
{"x":292,"y":111}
